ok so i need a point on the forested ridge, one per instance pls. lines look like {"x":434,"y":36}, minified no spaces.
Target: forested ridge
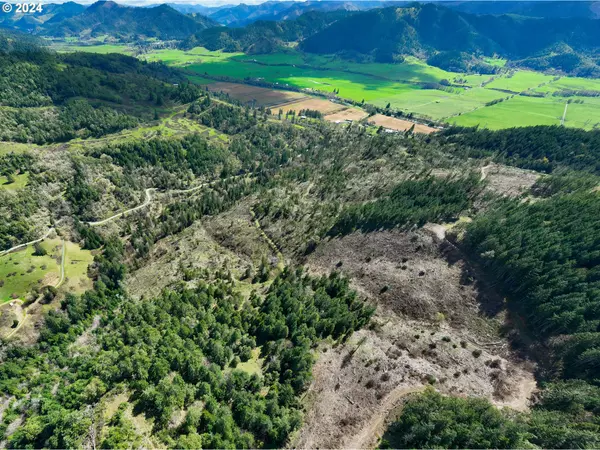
{"x":541,"y":148}
{"x":49,"y":97}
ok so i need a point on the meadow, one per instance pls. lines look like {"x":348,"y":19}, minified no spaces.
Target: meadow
{"x":22,"y":271}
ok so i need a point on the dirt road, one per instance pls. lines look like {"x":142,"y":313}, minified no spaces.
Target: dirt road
{"x":121,"y":214}
{"x":374,"y":429}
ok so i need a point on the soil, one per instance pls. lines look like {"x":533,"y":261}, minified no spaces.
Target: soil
{"x":433,"y":326}
{"x":325,"y":106}
{"x":263,"y":96}
{"x":399,"y":125}
{"x":347,"y":114}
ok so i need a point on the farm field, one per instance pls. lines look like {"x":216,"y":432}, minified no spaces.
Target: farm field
{"x":400,"y":85}
{"x":262,"y":96}
{"x":324,"y":106}
{"x":520,"y":81}
{"x":398,"y":124}
{"x":517,"y":111}
{"x":347,"y":114}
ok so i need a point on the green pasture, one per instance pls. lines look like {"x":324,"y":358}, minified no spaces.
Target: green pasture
{"x":583,"y":115}
{"x":20,"y":271}
{"x":197,"y":55}
{"x":519,"y":111}
{"x":520,"y":81}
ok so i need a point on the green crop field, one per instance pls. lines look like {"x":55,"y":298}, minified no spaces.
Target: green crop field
{"x":520,"y":81}
{"x":198,"y":55}
{"x":400,"y":85}
{"x":517,"y":111}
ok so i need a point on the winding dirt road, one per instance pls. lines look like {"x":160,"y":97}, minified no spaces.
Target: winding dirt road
{"x":374,"y":429}
{"x":121,"y":214}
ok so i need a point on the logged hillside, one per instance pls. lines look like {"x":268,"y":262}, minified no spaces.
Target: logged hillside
{"x":107,"y":17}
{"x":426,"y":30}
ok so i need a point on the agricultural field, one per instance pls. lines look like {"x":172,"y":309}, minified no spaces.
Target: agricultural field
{"x":399,"y":125}
{"x":519,"y":81}
{"x":517,"y":111}
{"x":399,"y":85}
{"x":260,"y":96}
{"x":347,"y":114}
{"x":324,"y":106}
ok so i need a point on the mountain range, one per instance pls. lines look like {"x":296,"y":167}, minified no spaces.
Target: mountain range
{"x":110,"y":18}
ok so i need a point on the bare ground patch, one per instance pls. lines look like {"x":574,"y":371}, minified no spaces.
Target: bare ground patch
{"x":508,"y":181}
{"x":429,"y":329}
{"x":352,"y":114}
{"x":262,"y":96}
{"x":399,"y":125}
{"x":324,"y":106}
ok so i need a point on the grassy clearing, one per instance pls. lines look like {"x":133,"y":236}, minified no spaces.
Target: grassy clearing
{"x":77,"y":262}
{"x":20,"y":181}
{"x":253,"y":365}
{"x":21,"y":271}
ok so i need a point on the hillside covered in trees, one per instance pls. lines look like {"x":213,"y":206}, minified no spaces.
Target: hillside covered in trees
{"x":246,"y":271}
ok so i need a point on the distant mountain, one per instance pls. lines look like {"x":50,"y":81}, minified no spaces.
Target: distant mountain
{"x":243,"y":14}
{"x":32,"y":21}
{"x":547,"y":9}
{"x":430,"y":29}
{"x":107,"y":17}
{"x":264,"y":36}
